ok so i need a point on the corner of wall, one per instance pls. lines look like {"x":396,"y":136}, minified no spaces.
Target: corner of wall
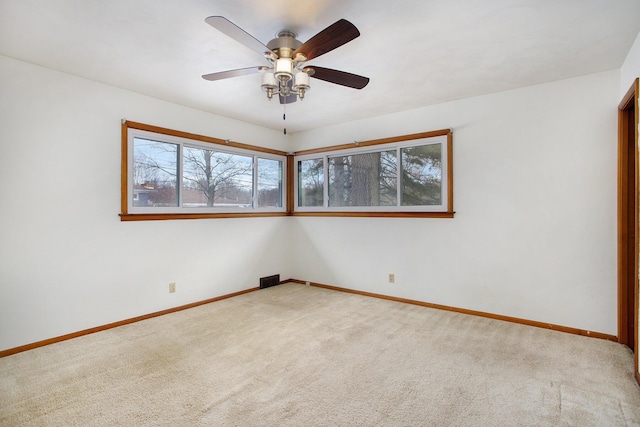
{"x":630,"y":69}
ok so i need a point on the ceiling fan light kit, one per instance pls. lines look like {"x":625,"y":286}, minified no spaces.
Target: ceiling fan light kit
{"x":285,"y":75}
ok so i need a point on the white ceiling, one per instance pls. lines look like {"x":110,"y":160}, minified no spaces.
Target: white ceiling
{"x":416,"y":52}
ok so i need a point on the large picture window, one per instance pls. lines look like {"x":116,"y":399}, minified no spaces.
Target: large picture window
{"x":410,"y":174}
{"x":171,"y":173}
{"x":363,"y":180}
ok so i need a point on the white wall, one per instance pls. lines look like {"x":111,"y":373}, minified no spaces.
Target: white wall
{"x":534,"y":235}
{"x":67,"y":262}
{"x":630,"y":68}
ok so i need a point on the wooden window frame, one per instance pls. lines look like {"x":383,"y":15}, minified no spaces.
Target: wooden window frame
{"x":125,"y":215}
{"x":289,"y":177}
{"x":392,"y":213}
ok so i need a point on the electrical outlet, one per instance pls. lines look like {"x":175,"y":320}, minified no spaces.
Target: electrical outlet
{"x":308,"y":283}
{"x":392,"y":278}
{"x":172,"y":287}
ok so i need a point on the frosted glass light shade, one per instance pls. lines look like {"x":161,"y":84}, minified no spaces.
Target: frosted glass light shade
{"x":302,"y":81}
{"x":269,"y":81}
{"x":284,"y":69}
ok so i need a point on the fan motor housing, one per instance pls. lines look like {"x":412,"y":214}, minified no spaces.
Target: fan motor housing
{"x":284,"y":44}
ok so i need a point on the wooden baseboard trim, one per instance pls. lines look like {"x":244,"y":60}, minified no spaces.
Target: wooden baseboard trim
{"x":534,"y":323}
{"x":54,"y":340}
{"x":42,"y":343}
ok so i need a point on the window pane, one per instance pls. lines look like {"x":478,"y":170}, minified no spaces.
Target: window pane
{"x":422,"y":175}
{"x":269,"y":183}
{"x":212,"y":178}
{"x":367,"y":179}
{"x":155,"y":173}
{"x":311,"y":182}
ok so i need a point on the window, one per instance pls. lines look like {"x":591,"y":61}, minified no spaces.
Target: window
{"x":269,"y":184}
{"x":410,"y":174}
{"x":310,"y":182}
{"x":167,"y":174}
{"x":213,"y":178}
{"x":155,"y":173}
{"x":367,"y":179}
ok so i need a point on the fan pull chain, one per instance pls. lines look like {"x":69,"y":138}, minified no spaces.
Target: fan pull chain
{"x":284,"y":114}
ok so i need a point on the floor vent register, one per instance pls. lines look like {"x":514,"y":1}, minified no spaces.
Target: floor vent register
{"x":266,"y":282}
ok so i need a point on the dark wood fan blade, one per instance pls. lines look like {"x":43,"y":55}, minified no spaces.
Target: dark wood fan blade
{"x":231,"y":73}
{"x":238,"y":34}
{"x":333,"y":36}
{"x":339,"y":77}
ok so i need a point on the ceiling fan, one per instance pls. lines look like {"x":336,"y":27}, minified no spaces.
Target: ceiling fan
{"x":286,"y":76}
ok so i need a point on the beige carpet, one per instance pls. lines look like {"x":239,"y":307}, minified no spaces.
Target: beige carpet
{"x":294,"y":355}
